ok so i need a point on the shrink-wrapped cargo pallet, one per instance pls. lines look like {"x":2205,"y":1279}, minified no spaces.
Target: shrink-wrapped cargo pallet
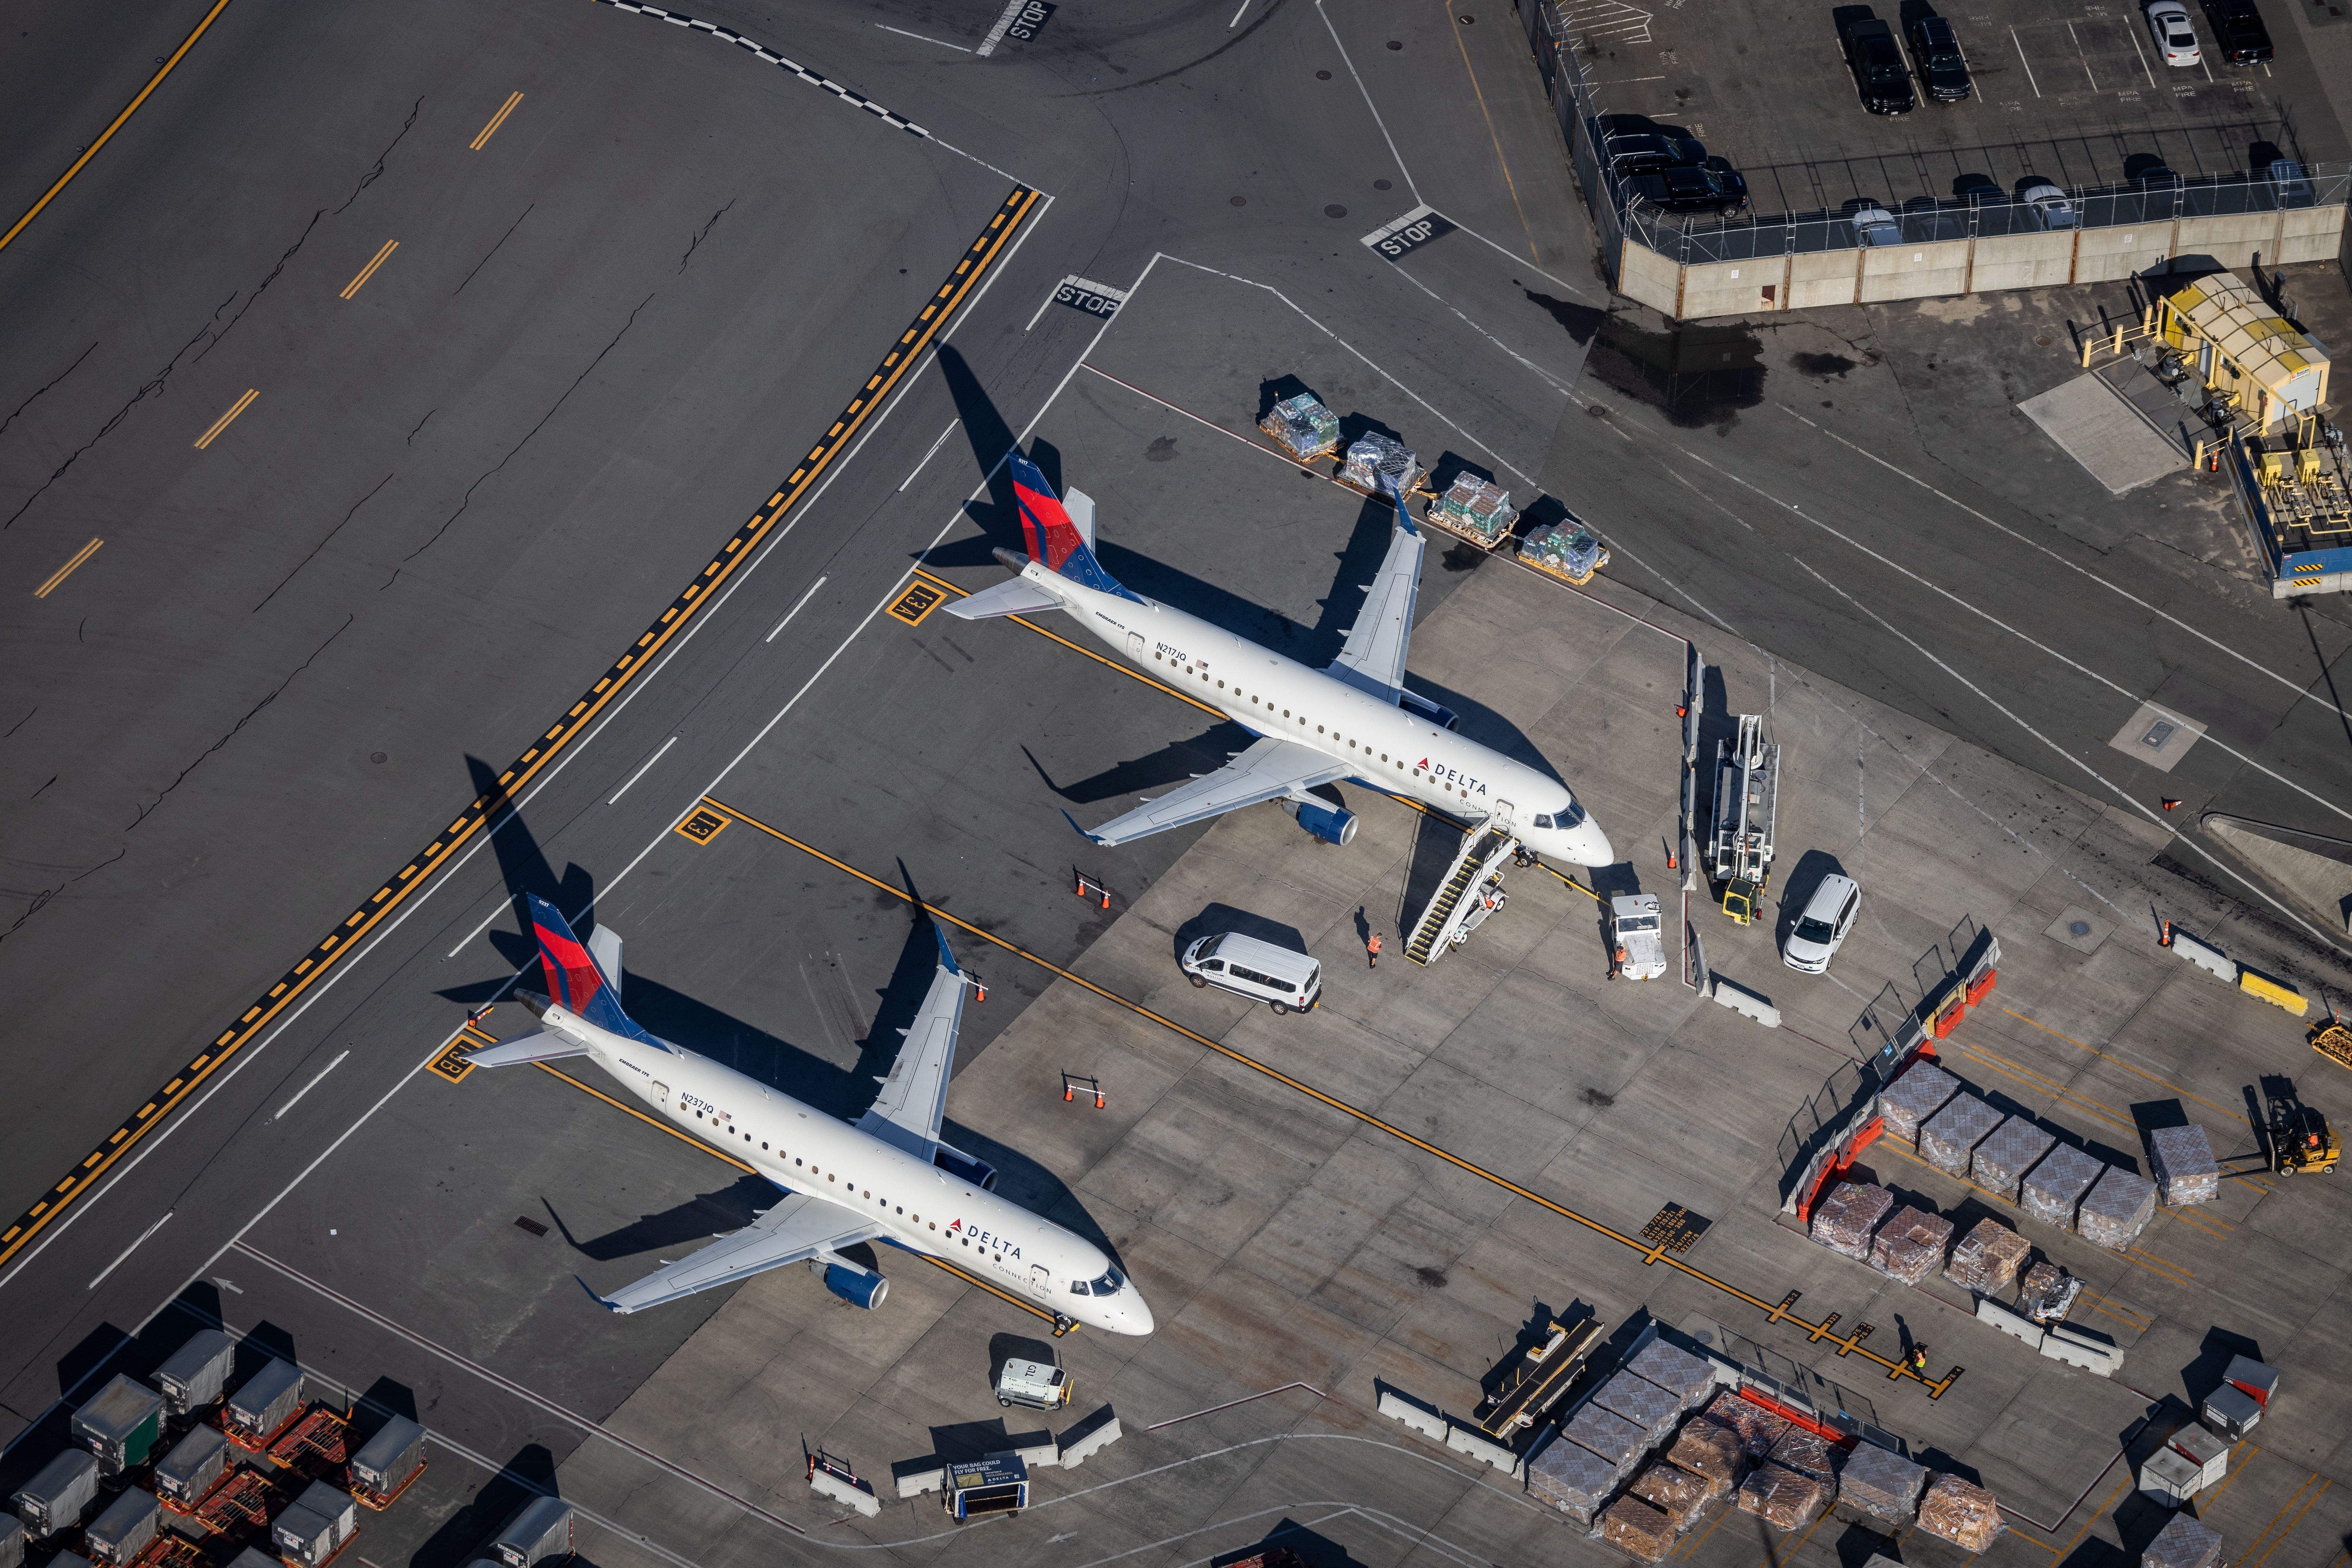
{"x":1565,"y":549}
{"x":2047,"y":1293}
{"x":1612,"y":1437}
{"x":1949,"y":1140}
{"x":2182,"y":1159}
{"x":1780,"y":1498}
{"x":2053,"y":1189}
{"x":1372,"y":455}
{"x":1963,"y":1515}
{"x":1924,"y":1089}
{"x":1476,"y":507}
{"x":1304,"y":426}
{"x":1573,"y":1478}
{"x":1641,"y":1402}
{"x":2009,"y":1150}
{"x":1710,"y":1450}
{"x":1987,"y":1258}
{"x":1639,"y":1530}
{"x":1757,"y":1427}
{"x":2186,"y":1542}
{"x":1809,"y":1454}
{"x":2115,"y":1212}
{"x":1881,"y":1482}
{"x":1689,"y":1378}
{"x":1911,"y":1244}
{"x":1844,"y":1221}
{"x":1673,"y":1492}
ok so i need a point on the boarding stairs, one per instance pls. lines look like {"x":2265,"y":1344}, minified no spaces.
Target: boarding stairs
{"x":1482,"y":852}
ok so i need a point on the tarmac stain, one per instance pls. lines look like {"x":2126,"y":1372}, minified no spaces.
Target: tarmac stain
{"x":1821,"y":364}
{"x":1598,"y":1098}
{"x":1695,"y":376}
{"x":1163,"y":450}
{"x":1432,"y":1278}
{"x":1581,"y":320}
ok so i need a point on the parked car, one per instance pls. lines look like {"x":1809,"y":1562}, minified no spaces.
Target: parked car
{"x":1646,"y":153}
{"x":1874,"y":226}
{"x":2051,"y":207}
{"x":1879,"y":74}
{"x":2175,"y":34}
{"x":1828,"y":916}
{"x":1926,"y":220}
{"x":2292,"y":185}
{"x":1935,"y":53}
{"x":1714,"y":186}
{"x":2238,"y":31}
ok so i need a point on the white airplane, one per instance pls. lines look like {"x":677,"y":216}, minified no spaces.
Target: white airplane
{"x":1354,"y":720}
{"x":888,"y":1178}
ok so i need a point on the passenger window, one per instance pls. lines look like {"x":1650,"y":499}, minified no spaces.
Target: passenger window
{"x":1285,"y":712}
{"x":1318,"y":730}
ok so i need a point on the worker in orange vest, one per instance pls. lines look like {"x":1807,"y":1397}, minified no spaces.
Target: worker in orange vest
{"x":1372,"y":949}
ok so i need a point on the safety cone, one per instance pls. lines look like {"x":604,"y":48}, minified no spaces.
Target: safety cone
{"x":2168,"y":802}
{"x":2165,"y":939}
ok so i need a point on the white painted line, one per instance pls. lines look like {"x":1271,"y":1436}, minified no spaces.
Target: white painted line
{"x":1237,"y":17}
{"x":2026,"y":63}
{"x":2133,"y":33}
{"x":904,"y":483}
{"x":127,"y":1251}
{"x":307,"y":1087}
{"x":996,"y":34}
{"x":804,"y":598}
{"x":383,"y":933}
{"x":649,"y":762}
{"x":2086,"y":59}
{"x":959,"y":49}
{"x":1375,"y":108}
{"x":1397,"y":224}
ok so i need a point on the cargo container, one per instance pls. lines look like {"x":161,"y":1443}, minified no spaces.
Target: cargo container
{"x":390,"y":1460}
{"x":192,"y":1468}
{"x":59,"y":1493}
{"x":120,"y":1425}
{"x":321,"y":1522}
{"x":541,"y":1529}
{"x":12,"y":1542}
{"x":196,"y":1375}
{"x":254,"y":1557}
{"x":125,"y":1529}
{"x":263,"y":1403}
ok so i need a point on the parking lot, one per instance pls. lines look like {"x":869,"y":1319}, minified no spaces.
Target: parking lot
{"x":2081,"y":99}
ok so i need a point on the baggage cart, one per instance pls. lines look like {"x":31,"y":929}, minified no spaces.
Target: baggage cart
{"x":193,"y":1467}
{"x":388,"y":1463}
{"x":120,"y":1424}
{"x":126,"y":1528}
{"x":58,"y":1495}
{"x":196,"y":1375}
{"x":264,"y":1405}
{"x":992,"y":1484}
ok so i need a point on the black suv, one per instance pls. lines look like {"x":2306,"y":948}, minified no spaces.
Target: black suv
{"x":1714,"y":186}
{"x":1647,"y":153}
{"x":1878,"y":70}
{"x":2238,"y":28}
{"x":1943,"y":70}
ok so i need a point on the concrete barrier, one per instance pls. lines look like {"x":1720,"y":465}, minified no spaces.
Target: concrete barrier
{"x":856,"y":1494}
{"x":1746,"y":1003}
{"x":1421,"y":1417}
{"x":1040,"y":1456}
{"x":2075,"y":1349}
{"x":2205,"y":956}
{"x":1094,"y":1441}
{"x":928,"y":1475}
{"x":1462,"y":1440}
{"x":1994,"y":1315}
{"x":2253,"y":982}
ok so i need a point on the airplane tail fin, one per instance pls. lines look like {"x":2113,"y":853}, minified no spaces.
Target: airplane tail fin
{"x":574,"y":978}
{"x":1060,"y":538}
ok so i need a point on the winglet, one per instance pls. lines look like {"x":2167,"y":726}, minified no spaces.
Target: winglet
{"x":947,"y":959}
{"x":1082,"y":832}
{"x":1389,"y":484}
{"x":595,"y":1298}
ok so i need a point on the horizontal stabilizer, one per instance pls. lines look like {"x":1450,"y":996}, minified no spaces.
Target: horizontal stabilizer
{"x":1018,"y":597}
{"x":532,"y":1045}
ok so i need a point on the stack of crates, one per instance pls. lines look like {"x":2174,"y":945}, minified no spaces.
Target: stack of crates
{"x":1565,"y":552}
{"x":1373,"y":454}
{"x":1476,"y":510}
{"x":1303,"y":426}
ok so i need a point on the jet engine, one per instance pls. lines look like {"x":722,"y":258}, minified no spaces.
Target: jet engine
{"x":964,"y":1167}
{"x":1328,"y":823}
{"x":856,"y":1287}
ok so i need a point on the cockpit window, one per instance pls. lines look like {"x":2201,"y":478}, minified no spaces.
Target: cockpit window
{"x":1078,"y":1287}
{"x":1107,"y":1286}
{"x":1543,"y":819}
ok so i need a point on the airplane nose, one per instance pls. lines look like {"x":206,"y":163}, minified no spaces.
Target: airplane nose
{"x":1138,"y":1318}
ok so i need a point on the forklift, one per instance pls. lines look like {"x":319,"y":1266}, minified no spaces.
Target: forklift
{"x":2301,"y":1140}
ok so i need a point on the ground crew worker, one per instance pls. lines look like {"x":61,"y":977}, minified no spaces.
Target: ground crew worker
{"x":1372,"y":949}
{"x":1917,"y":1362}
{"x":1616,"y":961}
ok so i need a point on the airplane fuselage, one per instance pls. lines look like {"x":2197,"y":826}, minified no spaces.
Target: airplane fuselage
{"x":914,"y":1204}
{"x":1386,"y":747}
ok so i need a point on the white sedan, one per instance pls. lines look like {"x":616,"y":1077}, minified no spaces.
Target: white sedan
{"x":2176,"y":36}
{"x":1829,"y":915}
{"x":2049,"y":207}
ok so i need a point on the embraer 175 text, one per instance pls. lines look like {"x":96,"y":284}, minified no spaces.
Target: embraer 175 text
{"x":888,"y":1178}
{"x":1354,"y":720}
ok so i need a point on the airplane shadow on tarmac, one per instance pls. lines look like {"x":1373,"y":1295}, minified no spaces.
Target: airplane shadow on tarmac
{"x":672,"y":1015}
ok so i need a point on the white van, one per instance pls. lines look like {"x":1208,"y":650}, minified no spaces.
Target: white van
{"x":1035,"y":1384}
{"x":1285,"y":980}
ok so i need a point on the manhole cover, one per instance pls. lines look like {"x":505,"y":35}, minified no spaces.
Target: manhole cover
{"x":1380,"y":184}
{"x":1394,"y":45}
{"x":1322,"y":76}
{"x":2043,"y":342}
{"x":1335,"y":210}
{"x":2079,"y":927}
{"x":1241,"y":201}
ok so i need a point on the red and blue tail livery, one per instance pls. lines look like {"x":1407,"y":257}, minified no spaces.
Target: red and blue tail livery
{"x":573,"y":979}
{"x":1055,"y":542}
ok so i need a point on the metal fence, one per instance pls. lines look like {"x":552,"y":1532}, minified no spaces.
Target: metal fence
{"x":1579,"y":123}
{"x":1691,"y":241}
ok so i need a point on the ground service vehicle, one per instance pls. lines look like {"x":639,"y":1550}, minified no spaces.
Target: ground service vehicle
{"x":1828,"y":916}
{"x":1035,"y":1384}
{"x":1639,"y":948}
{"x":1747,"y":797}
{"x":1285,"y":980}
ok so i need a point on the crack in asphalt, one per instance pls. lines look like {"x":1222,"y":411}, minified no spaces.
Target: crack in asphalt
{"x":263,"y":286}
{"x":493,"y":250}
{"x":41,"y":898}
{"x":52,"y":381}
{"x":376,"y":174}
{"x":468,"y":499}
{"x":251,"y":714}
{"x":704,"y":233}
{"x":324,"y":543}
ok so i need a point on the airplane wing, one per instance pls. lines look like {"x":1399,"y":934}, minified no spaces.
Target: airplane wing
{"x":798,"y":1228}
{"x":1373,"y":658}
{"x":1268,"y":770}
{"x":915,"y":1096}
